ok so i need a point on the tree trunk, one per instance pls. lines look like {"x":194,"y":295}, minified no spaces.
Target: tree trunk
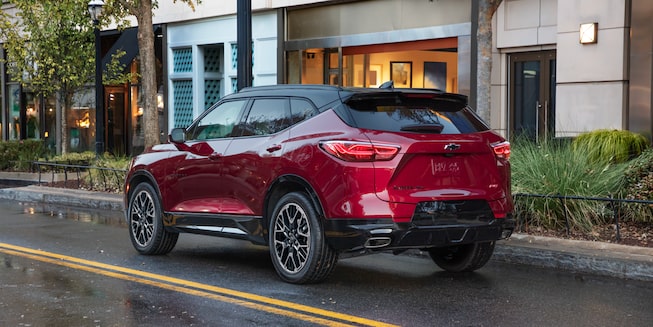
{"x":62,"y":104}
{"x":486,"y":10}
{"x":148,"y":74}
{"x":58,"y":129}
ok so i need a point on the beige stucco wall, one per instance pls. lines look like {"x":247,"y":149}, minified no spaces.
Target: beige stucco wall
{"x":592,"y":78}
{"x":591,"y":90}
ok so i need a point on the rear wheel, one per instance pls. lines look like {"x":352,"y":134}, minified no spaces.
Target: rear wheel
{"x":146,"y":230}
{"x":297,"y":246}
{"x":461,"y":258}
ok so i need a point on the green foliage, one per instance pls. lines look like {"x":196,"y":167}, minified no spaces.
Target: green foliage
{"x":111,"y":161}
{"x":18,"y":155}
{"x":638,"y":178}
{"x":611,"y":145}
{"x":72,"y":158}
{"x":115,"y":73}
{"x":50,"y":45}
{"x":550,"y":168}
{"x":105,"y":173}
{"x":110,"y":179}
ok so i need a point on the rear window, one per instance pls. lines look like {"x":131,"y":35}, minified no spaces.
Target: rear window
{"x":398,"y":113}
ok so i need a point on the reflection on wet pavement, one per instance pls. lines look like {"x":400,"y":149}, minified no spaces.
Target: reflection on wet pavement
{"x":103,"y":217}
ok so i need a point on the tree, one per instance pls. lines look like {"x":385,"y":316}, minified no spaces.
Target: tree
{"x":142,"y":10}
{"x":50,"y":50}
{"x":49,"y":46}
{"x":486,"y":10}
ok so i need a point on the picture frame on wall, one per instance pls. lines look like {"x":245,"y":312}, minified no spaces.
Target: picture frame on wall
{"x":435,"y":75}
{"x":374,"y":75}
{"x":401,"y":73}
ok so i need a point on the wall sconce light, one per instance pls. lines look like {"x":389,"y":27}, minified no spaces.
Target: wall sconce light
{"x":589,"y":33}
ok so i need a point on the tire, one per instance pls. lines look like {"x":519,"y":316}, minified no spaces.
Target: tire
{"x":146,"y":230}
{"x":462,"y":258}
{"x":298,"y":249}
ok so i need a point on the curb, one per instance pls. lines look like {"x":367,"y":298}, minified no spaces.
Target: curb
{"x":586,"y":257}
{"x":65,"y":197}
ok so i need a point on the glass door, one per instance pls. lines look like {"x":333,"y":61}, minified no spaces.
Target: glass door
{"x":532,"y":89}
{"x":116,"y":104}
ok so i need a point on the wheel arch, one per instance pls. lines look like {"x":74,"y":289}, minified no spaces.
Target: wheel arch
{"x":141,"y":176}
{"x":286,"y":184}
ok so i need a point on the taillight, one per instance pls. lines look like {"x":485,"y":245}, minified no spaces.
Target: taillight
{"x":360,"y":151}
{"x":501,"y":149}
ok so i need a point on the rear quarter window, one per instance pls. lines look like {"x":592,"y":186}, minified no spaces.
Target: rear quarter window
{"x":399,"y":114}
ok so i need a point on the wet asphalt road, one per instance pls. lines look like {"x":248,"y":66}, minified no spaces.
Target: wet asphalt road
{"x":194,"y":285}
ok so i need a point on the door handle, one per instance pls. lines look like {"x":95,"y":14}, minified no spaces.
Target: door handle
{"x":546,"y":119}
{"x":215,"y":156}
{"x":274,"y":148}
{"x":538,"y":107}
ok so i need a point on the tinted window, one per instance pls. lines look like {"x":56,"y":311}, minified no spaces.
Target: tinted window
{"x":398,"y":114}
{"x":301,"y":110}
{"x":219,"y":122}
{"x":267,"y":116}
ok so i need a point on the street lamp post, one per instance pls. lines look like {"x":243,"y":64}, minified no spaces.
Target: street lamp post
{"x":95,"y":9}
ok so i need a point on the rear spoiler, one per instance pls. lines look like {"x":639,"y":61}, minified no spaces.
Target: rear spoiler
{"x":442,"y":100}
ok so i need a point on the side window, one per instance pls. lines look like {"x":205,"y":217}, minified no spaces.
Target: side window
{"x":301,"y":110}
{"x":218,"y":123}
{"x":267,"y":116}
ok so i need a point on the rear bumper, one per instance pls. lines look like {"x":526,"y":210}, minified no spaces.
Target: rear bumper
{"x":362,"y":236}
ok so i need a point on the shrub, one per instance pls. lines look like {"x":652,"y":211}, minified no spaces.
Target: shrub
{"x":73,"y":158}
{"x":18,"y":155}
{"x":611,"y":145}
{"x":111,"y":179}
{"x":551,"y":168}
{"x":638,"y":179}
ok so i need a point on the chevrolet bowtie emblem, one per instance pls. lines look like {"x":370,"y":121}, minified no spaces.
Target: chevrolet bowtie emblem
{"x":452,"y":147}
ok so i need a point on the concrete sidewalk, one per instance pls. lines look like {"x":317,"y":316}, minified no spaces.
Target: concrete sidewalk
{"x":595,"y":258}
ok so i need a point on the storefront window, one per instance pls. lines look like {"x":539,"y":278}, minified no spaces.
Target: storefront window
{"x":313,"y":67}
{"x":80,"y":122}
{"x":32,"y":105}
{"x":13,"y":91}
{"x":354,"y":71}
{"x":432,"y":68}
{"x":138,"y":134}
{"x":50,"y":126}
{"x":293,"y":74}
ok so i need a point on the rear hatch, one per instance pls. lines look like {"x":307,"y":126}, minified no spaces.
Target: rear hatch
{"x":447,"y":152}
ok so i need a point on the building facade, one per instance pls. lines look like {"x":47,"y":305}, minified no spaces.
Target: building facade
{"x":545,"y":82}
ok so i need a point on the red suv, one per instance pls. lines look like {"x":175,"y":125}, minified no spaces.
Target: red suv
{"x":316,"y":172}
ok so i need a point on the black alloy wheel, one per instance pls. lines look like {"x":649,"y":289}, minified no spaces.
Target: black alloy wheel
{"x":297,"y":246}
{"x":146,"y":230}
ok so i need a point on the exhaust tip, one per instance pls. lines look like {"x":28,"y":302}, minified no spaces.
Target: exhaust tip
{"x":377,"y":242}
{"x":506,"y":233}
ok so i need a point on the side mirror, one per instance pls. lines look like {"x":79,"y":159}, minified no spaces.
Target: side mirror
{"x":177,"y":135}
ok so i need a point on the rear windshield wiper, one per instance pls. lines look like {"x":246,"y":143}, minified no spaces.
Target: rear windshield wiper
{"x":426,"y":128}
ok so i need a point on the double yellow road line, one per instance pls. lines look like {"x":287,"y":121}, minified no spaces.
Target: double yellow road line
{"x":244,"y":299}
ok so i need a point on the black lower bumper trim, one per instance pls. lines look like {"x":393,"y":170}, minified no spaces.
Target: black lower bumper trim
{"x":364,"y":235}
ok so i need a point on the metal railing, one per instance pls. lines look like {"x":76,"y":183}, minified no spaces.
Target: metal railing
{"x":563,"y":202}
{"x":81,"y":176}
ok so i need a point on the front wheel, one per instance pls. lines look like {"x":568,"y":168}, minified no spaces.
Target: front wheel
{"x":462,"y":258}
{"x":297,"y":246}
{"x":146,"y":230}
